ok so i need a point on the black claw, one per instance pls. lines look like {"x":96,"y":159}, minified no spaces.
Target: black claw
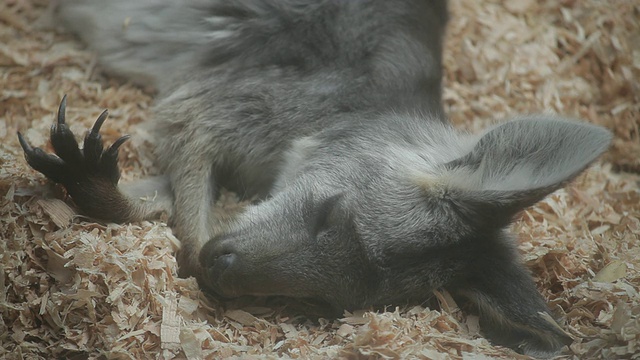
{"x":109,"y":161}
{"x":25,"y":145}
{"x":50,"y":166}
{"x":95,"y":130}
{"x":62,"y":109}
{"x":93,"y":142}
{"x":113,"y":149}
{"x":63,"y":141}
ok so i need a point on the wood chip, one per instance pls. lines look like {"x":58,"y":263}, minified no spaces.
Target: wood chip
{"x":613,"y":271}
{"x":61,"y":214}
{"x":242,"y":317}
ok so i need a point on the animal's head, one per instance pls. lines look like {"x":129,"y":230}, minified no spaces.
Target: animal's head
{"x":395,"y":231}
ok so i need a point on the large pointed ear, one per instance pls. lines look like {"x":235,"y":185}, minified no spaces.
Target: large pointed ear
{"x":515,"y":164}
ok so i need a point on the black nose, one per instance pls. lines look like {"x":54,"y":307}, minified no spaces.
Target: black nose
{"x":212,"y":249}
{"x":224,"y":261}
{"x":220,"y":264}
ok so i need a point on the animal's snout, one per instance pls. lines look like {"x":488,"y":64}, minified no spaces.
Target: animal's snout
{"x":215,"y":258}
{"x":219,"y":261}
{"x":220,"y":264}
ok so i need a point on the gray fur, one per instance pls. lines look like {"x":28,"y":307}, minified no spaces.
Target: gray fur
{"x":330,"y":112}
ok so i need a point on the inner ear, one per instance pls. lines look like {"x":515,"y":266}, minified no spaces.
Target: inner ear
{"x":324,"y":214}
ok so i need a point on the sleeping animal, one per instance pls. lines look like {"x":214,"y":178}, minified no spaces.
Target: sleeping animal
{"x":330,"y":113}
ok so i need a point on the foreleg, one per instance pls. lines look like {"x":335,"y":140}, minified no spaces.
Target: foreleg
{"x":91,"y":174}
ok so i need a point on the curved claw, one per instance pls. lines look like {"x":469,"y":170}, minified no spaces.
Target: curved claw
{"x":62,"y":109}
{"x":95,"y":130}
{"x":113,"y":149}
{"x":110,"y":156}
{"x":109,"y":160}
{"x":63,"y":140}
{"x":93,"y":141}
{"x":25,"y":145}
{"x":49,"y":165}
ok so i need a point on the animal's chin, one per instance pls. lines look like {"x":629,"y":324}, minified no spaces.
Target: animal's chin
{"x":214,"y":287}
{"x":225,"y":289}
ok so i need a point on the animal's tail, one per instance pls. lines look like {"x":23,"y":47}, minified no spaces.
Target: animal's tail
{"x":149,"y":41}
{"x":396,"y":44}
{"x":152,"y":41}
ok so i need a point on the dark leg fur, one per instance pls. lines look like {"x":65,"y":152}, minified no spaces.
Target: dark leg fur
{"x":90,"y":175}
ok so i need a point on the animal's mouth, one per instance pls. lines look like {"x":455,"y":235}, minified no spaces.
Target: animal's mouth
{"x":215,"y":277}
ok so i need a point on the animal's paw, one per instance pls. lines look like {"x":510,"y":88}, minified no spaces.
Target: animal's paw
{"x":90,"y":174}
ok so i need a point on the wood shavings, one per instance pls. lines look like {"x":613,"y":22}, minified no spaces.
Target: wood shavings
{"x":241,"y":316}
{"x":518,"y":6}
{"x":59,"y":212}
{"x":170,"y":327}
{"x":75,"y":288}
{"x":612,"y":272}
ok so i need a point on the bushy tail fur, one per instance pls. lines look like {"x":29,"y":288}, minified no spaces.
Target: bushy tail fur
{"x":155,"y":41}
{"x":149,"y":42}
